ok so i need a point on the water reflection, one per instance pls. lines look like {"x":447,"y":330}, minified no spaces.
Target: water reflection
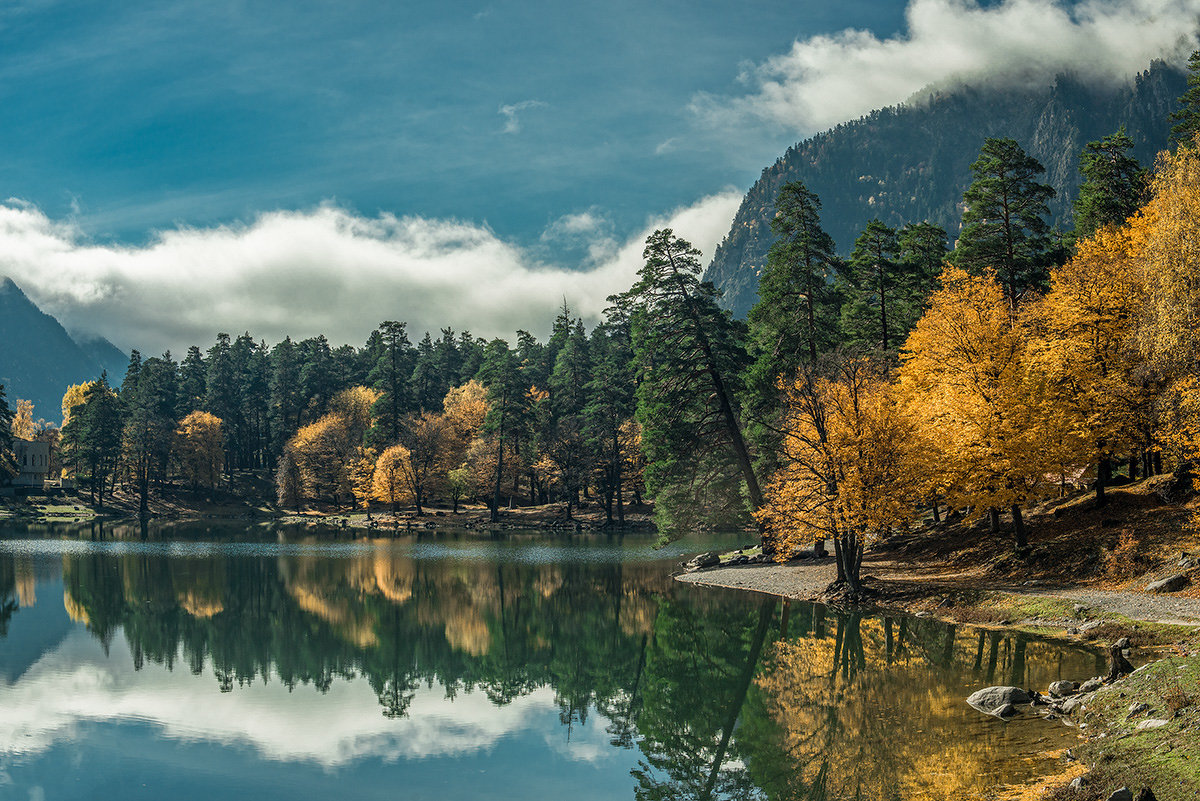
{"x":409,"y":653}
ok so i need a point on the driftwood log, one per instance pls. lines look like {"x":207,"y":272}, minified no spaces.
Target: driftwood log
{"x":1118,"y":665}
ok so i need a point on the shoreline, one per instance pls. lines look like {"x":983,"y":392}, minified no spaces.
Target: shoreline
{"x":1143,"y":744}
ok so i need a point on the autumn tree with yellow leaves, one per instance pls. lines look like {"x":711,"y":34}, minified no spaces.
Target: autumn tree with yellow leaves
{"x":848,"y":468}
{"x":1165,"y":243}
{"x":200,"y":449}
{"x":319,"y":460}
{"x":390,"y":485}
{"x":963,"y":378}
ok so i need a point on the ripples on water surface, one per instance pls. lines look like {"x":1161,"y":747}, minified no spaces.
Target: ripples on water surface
{"x":204,"y":661}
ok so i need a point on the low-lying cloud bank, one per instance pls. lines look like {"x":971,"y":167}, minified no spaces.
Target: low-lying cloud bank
{"x":825,"y":80}
{"x":324,"y":270}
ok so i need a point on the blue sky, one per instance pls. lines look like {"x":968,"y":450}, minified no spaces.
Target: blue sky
{"x":139,"y":116}
{"x":175,"y":169}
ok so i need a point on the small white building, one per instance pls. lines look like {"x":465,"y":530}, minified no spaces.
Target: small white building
{"x":33,"y":460}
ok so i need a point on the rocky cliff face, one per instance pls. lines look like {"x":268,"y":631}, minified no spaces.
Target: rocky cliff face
{"x":911,"y":163}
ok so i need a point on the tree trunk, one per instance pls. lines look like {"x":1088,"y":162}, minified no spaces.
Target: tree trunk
{"x":841,"y":565}
{"x":620,"y":502}
{"x":1103,"y":475}
{"x":994,"y":517}
{"x":1019,"y":526}
{"x":1133,"y":467}
{"x":1118,"y":665}
{"x":765,"y":613}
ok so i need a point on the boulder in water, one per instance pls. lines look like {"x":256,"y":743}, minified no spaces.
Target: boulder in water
{"x":990,"y":699}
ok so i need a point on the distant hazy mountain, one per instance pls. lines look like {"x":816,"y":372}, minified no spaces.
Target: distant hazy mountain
{"x":39,"y":359}
{"x":911,"y":163}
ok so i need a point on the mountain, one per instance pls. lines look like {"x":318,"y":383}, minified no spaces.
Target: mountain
{"x":911,"y":162}
{"x":39,"y":359}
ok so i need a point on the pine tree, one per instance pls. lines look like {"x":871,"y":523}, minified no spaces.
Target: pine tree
{"x":691,"y":356}
{"x":1187,"y":118}
{"x":922,"y":256}
{"x":1004,"y":226}
{"x":286,"y":403}
{"x":8,"y":462}
{"x":92,"y":437}
{"x":872,"y":286}
{"x":192,"y":383}
{"x":389,"y":376}
{"x":568,"y":398}
{"x":610,"y":405}
{"x":795,"y":318}
{"x":1115,"y":185}
{"x":499,"y":372}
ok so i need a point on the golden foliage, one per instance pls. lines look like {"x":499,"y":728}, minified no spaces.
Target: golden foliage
{"x":353,"y":407}
{"x":848,"y":467}
{"x":465,"y":408}
{"x":200,"y":448}
{"x":965,"y":382}
{"x":1165,"y":237}
{"x":321,"y":459}
{"x":23,"y":426}
{"x":74,"y":396}
{"x":390,"y":485}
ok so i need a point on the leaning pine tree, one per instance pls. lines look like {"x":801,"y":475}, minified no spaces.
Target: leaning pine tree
{"x":690,"y":354}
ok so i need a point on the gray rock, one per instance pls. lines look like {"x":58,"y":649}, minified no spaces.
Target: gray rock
{"x":1061,"y":689}
{"x":1077,"y":783}
{"x":1090,"y":686}
{"x":990,"y":699}
{"x":1070,"y":705}
{"x":1138,"y":708}
{"x":1005,"y":712}
{"x":1124,"y":794}
{"x":1091,"y":624}
{"x":1169,"y":584}
{"x":1152,"y":723}
{"x":705,"y":560}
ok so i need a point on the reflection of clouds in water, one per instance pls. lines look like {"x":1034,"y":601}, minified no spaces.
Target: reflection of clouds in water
{"x":589,"y":742}
{"x":77,"y":684}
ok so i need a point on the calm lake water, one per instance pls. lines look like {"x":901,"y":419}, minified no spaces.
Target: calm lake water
{"x":200,"y":662}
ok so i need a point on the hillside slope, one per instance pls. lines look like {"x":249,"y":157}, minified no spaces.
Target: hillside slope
{"x":39,"y":359}
{"x":911,"y":163}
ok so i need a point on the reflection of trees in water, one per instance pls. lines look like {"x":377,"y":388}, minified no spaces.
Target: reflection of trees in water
{"x":8,"y":592}
{"x":874,"y":709}
{"x":505,"y":629}
{"x":700,"y":669}
{"x":724,"y":697}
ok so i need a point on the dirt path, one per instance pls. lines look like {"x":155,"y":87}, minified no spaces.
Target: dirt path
{"x":808,"y":581}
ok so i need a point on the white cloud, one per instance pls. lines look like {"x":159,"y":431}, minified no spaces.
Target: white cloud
{"x":78,"y":683}
{"x":666,"y":146}
{"x":512,"y":124}
{"x":324,"y":270}
{"x":824,"y":80}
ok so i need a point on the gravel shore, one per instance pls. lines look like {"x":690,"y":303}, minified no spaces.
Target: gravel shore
{"x":807,"y":581}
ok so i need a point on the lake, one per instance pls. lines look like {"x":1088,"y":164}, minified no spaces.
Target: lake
{"x":202,"y":661}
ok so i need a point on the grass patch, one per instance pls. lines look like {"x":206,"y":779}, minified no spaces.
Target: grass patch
{"x":1165,"y":759}
{"x":1142,"y":634}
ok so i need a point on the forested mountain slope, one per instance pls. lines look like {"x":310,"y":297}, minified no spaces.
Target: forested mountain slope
{"x":911,"y":163}
{"x":39,"y":359}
